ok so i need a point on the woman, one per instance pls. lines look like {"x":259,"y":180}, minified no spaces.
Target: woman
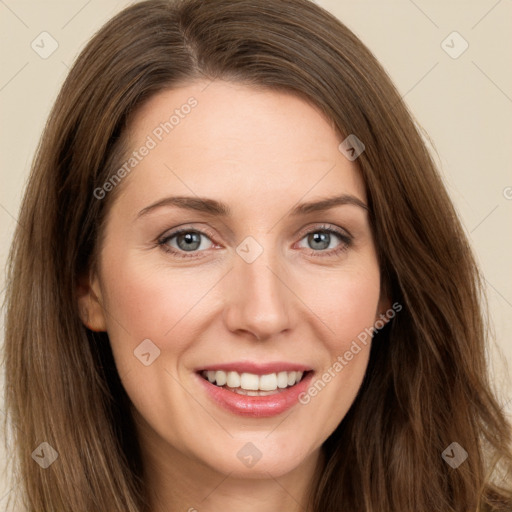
{"x":176,"y":339}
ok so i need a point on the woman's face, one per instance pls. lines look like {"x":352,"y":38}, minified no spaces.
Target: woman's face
{"x":254,"y":291}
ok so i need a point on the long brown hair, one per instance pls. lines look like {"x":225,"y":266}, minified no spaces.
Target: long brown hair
{"x":427,"y":383}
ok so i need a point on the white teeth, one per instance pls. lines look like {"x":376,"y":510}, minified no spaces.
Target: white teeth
{"x":282,"y":379}
{"x":268,"y":382}
{"x":249,"y":381}
{"x":252,"y":383}
{"x":221,"y":378}
{"x":233,"y":380}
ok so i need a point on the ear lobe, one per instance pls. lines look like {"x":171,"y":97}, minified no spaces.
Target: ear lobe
{"x":90,"y":303}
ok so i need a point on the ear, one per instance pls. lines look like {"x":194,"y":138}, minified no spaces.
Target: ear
{"x":90,"y":303}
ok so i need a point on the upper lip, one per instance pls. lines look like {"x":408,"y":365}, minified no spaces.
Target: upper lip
{"x":257,"y":368}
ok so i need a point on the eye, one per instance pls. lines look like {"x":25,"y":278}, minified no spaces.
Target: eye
{"x":321,"y":238}
{"x":187,"y":241}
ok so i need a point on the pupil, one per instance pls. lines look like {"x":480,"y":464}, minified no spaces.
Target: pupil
{"x":191,"y":239}
{"x":320,"y":238}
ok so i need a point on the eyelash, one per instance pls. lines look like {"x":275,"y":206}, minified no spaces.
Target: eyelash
{"x":346,"y":242}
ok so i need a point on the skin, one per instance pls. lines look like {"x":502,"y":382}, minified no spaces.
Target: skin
{"x":262,"y":153}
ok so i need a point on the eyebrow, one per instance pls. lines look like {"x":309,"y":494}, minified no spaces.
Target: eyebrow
{"x":220,"y":209}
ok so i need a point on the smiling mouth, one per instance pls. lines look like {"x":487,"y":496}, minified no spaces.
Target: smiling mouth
{"x":251,"y":384}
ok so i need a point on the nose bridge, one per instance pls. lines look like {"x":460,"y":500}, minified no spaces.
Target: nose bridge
{"x":258,"y":300}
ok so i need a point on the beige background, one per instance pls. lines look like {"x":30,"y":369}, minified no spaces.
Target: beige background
{"x":463,"y":103}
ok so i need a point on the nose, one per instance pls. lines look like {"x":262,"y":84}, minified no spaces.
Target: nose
{"x":258,"y":300}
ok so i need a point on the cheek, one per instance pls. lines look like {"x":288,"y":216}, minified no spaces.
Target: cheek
{"x":346,"y":303}
{"x":164,"y":307}
{"x":156,"y":303}
{"x":347,"y":306}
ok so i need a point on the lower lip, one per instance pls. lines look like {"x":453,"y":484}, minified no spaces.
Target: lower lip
{"x":256,"y":406}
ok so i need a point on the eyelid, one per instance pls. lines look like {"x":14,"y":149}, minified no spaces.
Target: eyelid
{"x":170,"y":233}
{"x":324,"y":226}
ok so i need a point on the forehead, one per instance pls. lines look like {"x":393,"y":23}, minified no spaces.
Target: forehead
{"x":235,"y":141}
